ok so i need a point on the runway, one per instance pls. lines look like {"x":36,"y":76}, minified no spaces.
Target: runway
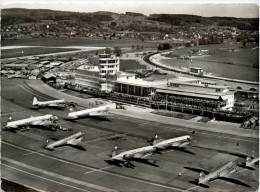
{"x":24,"y":160}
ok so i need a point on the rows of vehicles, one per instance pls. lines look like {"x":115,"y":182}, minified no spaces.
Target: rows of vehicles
{"x":119,"y":157}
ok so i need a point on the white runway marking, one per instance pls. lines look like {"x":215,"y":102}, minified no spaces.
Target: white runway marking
{"x":34,"y":152}
{"x":69,"y":179}
{"x":101,"y":171}
{"x":44,"y":178}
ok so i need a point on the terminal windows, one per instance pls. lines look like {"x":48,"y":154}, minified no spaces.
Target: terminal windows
{"x":112,"y":61}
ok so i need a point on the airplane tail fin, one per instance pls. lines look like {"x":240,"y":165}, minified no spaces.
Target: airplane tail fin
{"x":248,"y":159}
{"x":155,"y":140}
{"x":10,"y":118}
{"x":114,"y":152}
{"x":201,"y":176}
{"x":71,"y":109}
{"x":35,"y":101}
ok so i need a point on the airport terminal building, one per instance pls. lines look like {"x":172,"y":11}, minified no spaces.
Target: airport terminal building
{"x":194,"y":93}
{"x":106,"y":77}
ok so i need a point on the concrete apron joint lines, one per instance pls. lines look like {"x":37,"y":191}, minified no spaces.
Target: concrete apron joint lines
{"x":51,"y":174}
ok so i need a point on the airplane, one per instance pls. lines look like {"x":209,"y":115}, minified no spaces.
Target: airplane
{"x":173,"y":142}
{"x":72,"y":141}
{"x":97,"y":111}
{"x":221,"y":172}
{"x":48,"y":120}
{"x":139,"y":154}
{"x":55,"y":103}
{"x":252,"y":162}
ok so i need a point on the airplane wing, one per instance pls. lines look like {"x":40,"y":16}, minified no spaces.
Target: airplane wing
{"x":40,"y":123}
{"x":157,"y":141}
{"x":74,"y":141}
{"x":146,"y":155}
{"x":142,"y":156}
{"x":159,"y":147}
{"x":97,"y":113}
{"x":176,"y":144}
{"x":235,"y":181}
{"x":56,"y":105}
{"x":197,"y":170}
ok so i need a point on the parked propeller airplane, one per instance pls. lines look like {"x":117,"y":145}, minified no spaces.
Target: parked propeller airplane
{"x":72,"y":141}
{"x":48,"y":120}
{"x":139,"y":154}
{"x":97,"y":111}
{"x":252,"y":162}
{"x":173,"y":142}
{"x":222,"y":172}
{"x":54,"y":104}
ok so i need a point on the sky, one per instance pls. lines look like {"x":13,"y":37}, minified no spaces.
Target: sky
{"x":207,"y":8}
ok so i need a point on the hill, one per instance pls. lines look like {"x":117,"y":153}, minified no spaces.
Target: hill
{"x":184,"y":20}
{"x":19,"y":16}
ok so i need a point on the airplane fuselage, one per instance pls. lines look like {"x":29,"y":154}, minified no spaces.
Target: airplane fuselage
{"x":88,"y":112}
{"x":64,"y":141}
{"x":179,"y":141}
{"x":131,"y":153}
{"x":48,"y":103}
{"x":40,"y":120}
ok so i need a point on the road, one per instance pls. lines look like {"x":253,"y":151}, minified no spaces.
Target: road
{"x":25,"y":161}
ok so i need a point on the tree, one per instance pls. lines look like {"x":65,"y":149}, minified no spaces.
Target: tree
{"x":108,"y":51}
{"x":117,"y":51}
{"x":164,"y":46}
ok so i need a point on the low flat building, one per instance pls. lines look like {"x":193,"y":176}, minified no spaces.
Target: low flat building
{"x":196,"y":70}
{"x":137,"y":87}
{"x":197,"y":93}
{"x":194,"y":92}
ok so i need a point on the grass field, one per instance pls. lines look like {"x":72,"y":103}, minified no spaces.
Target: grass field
{"x":97,"y":42}
{"x":126,"y":65}
{"x":242,"y":63}
{"x":9,"y":53}
{"x":218,"y":53}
